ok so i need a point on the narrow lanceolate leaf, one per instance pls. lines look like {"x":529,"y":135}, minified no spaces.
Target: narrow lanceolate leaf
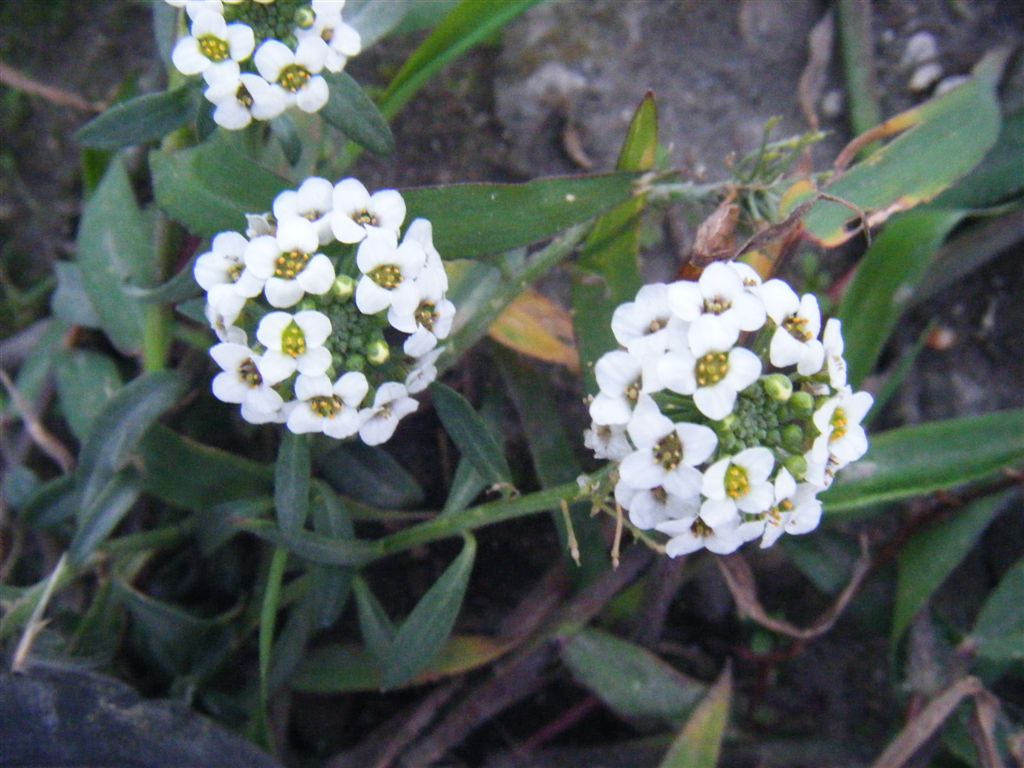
{"x":353,"y":113}
{"x":71,"y":302}
{"x":181,"y":287}
{"x":371,"y":475}
{"x":885,"y":281}
{"x":210,"y":188}
{"x":86,"y":381}
{"x":330,"y":585}
{"x":608,"y":270}
{"x":314,"y":547}
{"x":291,"y":483}
{"x":931,"y":555}
{"x":929,"y":457}
{"x":118,"y":428}
{"x":421,"y":636}
{"x":630,"y":679}
{"x":375,"y":625}
{"x":115,"y":247}
{"x":470,"y":434}
{"x":999,"y":630}
{"x":142,"y":119}
{"x":936,"y":143}
{"x":472,"y":220}
{"x":100,"y":517}
{"x":700,"y":742}
{"x":535,"y":326}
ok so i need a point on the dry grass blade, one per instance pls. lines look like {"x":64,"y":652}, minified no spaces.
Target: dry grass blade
{"x":19,"y":81}
{"x":49,"y":444}
{"x":812,"y":79}
{"x":740,"y":580}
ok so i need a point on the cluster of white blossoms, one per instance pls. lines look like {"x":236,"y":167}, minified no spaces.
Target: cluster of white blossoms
{"x":726,"y":412}
{"x":261,"y":57}
{"x":329,"y":317}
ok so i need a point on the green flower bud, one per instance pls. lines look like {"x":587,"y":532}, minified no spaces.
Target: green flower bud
{"x":793,"y":438}
{"x":308,"y":303}
{"x":778,"y":386}
{"x":729,"y":422}
{"x":774,"y":437}
{"x":355,"y":362}
{"x":343,"y":287}
{"x":802,"y":404}
{"x":378,"y":352}
{"x":797,"y":466}
{"x":304,"y":17}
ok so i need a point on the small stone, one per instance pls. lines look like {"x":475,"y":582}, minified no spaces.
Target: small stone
{"x":925,"y":77}
{"x":832,"y":104}
{"x":949,"y":83}
{"x":921,"y":49}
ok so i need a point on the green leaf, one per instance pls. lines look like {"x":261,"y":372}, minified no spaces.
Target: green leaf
{"x":931,"y":555}
{"x":314,"y":547}
{"x":469,"y":23}
{"x":291,"y":483}
{"x":268,"y":622}
{"x":71,"y":302}
{"x":181,"y":287}
{"x":216,"y":525}
{"x":189,"y":475}
{"x":885,"y":281}
{"x":608,"y":271}
{"x":140,"y":120}
{"x":118,"y":428}
{"x":287,"y":135}
{"x":86,"y":381}
{"x":375,"y":625}
{"x":999,"y":630}
{"x":997,"y":177}
{"x":348,"y":668}
{"x":700,"y":742}
{"x":421,"y":636}
{"x":370,"y":475}
{"x":373,"y":20}
{"x":910,"y":461}
{"x":210,"y":188}
{"x":472,"y":220}
{"x":115,"y":246}
{"x":942,"y":140}
{"x":353,"y":113}
{"x":330,"y":584}
{"x":101,"y":515}
{"x":469,"y":433}
{"x":628,"y":678}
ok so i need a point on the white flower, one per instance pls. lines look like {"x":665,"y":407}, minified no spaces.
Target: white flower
{"x":294,"y":343}
{"x":294,"y":74}
{"x":289,"y":264}
{"x":224,"y":265}
{"x":620,"y":379}
{"x":838,"y":422}
{"x":389,"y":278}
{"x":260,"y":224}
{"x":748,"y":275}
{"x":832,"y":341}
{"x":357,"y":213}
{"x":737,"y":484}
{"x":254,"y":416}
{"x":312,"y":201}
{"x":666,"y":454}
{"x":795,"y":341}
{"x":213,"y":43}
{"x":222,"y":322}
{"x":243,"y":380}
{"x":717,"y":307}
{"x":229,"y":91}
{"x":424,"y":372}
{"x":390,"y":405}
{"x":434,"y":316}
{"x":712,"y":376}
{"x":649,"y":506}
{"x":331,"y":409}
{"x":796,"y":510}
{"x":647,"y":325}
{"x":692,"y":533}
{"x":607,"y":441}
{"x":195,"y":7}
{"x":343,"y":41}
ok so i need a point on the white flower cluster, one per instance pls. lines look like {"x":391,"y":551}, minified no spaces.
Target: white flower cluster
{"x":327,"y":321}
{"x":261,"y":57}
{"x":720,"y":442}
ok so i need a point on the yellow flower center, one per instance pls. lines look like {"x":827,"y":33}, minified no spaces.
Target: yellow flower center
{"x":365,"y":217}
{"x":839,"y":424}
{"x":426,"y":313}
{"x":293,"y":340}
{"x":213,"y":47}
{"x":249,"y":373}
{"x":243,"y":97}
{"x":326,"y":407}
{"x":294,"y":77}
{"x":797,"y":328}
{"x":717,"y":305}
{"x":387,"y":276}
{"x":288,"y":265}
{"x":737,"y":484}
{"x":632,"y":392}
{"x":669,"y":451}
{"x":701,"y":529}
{"x":712,"y":368}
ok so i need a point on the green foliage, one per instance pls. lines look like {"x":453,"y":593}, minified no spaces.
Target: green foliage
{"x":353,"y":113}
{"x":471,"y":435}
{"x":700,"y":742}
{"x":140,"y":120}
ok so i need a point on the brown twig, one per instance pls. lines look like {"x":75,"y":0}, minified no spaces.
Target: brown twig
{"x":19,"y":81}
{"x":740,"y":580}
{"x":42,"y":437}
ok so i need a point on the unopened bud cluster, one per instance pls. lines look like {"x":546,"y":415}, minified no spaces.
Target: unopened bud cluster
{"x":726,"y":408}
{"x":327,"y":320}
{"x":261,"y":57}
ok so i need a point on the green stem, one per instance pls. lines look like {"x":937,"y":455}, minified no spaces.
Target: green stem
{"x":268,"y":621}
{"x":858,"y":64}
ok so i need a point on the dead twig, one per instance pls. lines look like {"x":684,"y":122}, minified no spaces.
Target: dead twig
{"x":19,"y":81}
{"x":740,"y":580}
{"x":41,"y":436}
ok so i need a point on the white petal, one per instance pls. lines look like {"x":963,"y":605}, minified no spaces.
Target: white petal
{"x":277,"y":366}
{"x":311,"y":53}
{"x":715,"y":402}
{"x":713,"y":485}
{"x":297,"y":234}
{"x":241,"y":41}
{"x":812,"y":359}
{"x":271,"y":327}
{"x":683,"y":481}
{"x":371,"y":298}
{"x":758,"y":499}
{"x":716,"y":512}
{"x":785,"y":350}
{"x":302,"y":420}
{"x":345,"y":229}
{"x":685,"y":300}
{"x":744,"y":368}
{"x":315,"y":325}
{"x":757,"y":462}
{"x":749,"y":311}
{"x":261,"y":256}
{"x":230,"y":356}
{"x":318,"y":275}
{"x":676,"y":372}
{"x":312,"y":97}
{"x":314,"y":362}
{"x":389,"y":207}
{"x":232,"y":115}
{"x":187,"y":57}
{"x":308,"y":387}
{"x":350,"y":196}
{"x":711,"y":333}
{"x":606,"y":410}
{"x":271,"y":57}
{"x":228,"y":388}
{"x":640,"y":470}
{"x":699,"y":442}
{"x":780,"y":301}
{"x":352,"y":388}
{"x":283,"y":293}
{"x":648,"y":424}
